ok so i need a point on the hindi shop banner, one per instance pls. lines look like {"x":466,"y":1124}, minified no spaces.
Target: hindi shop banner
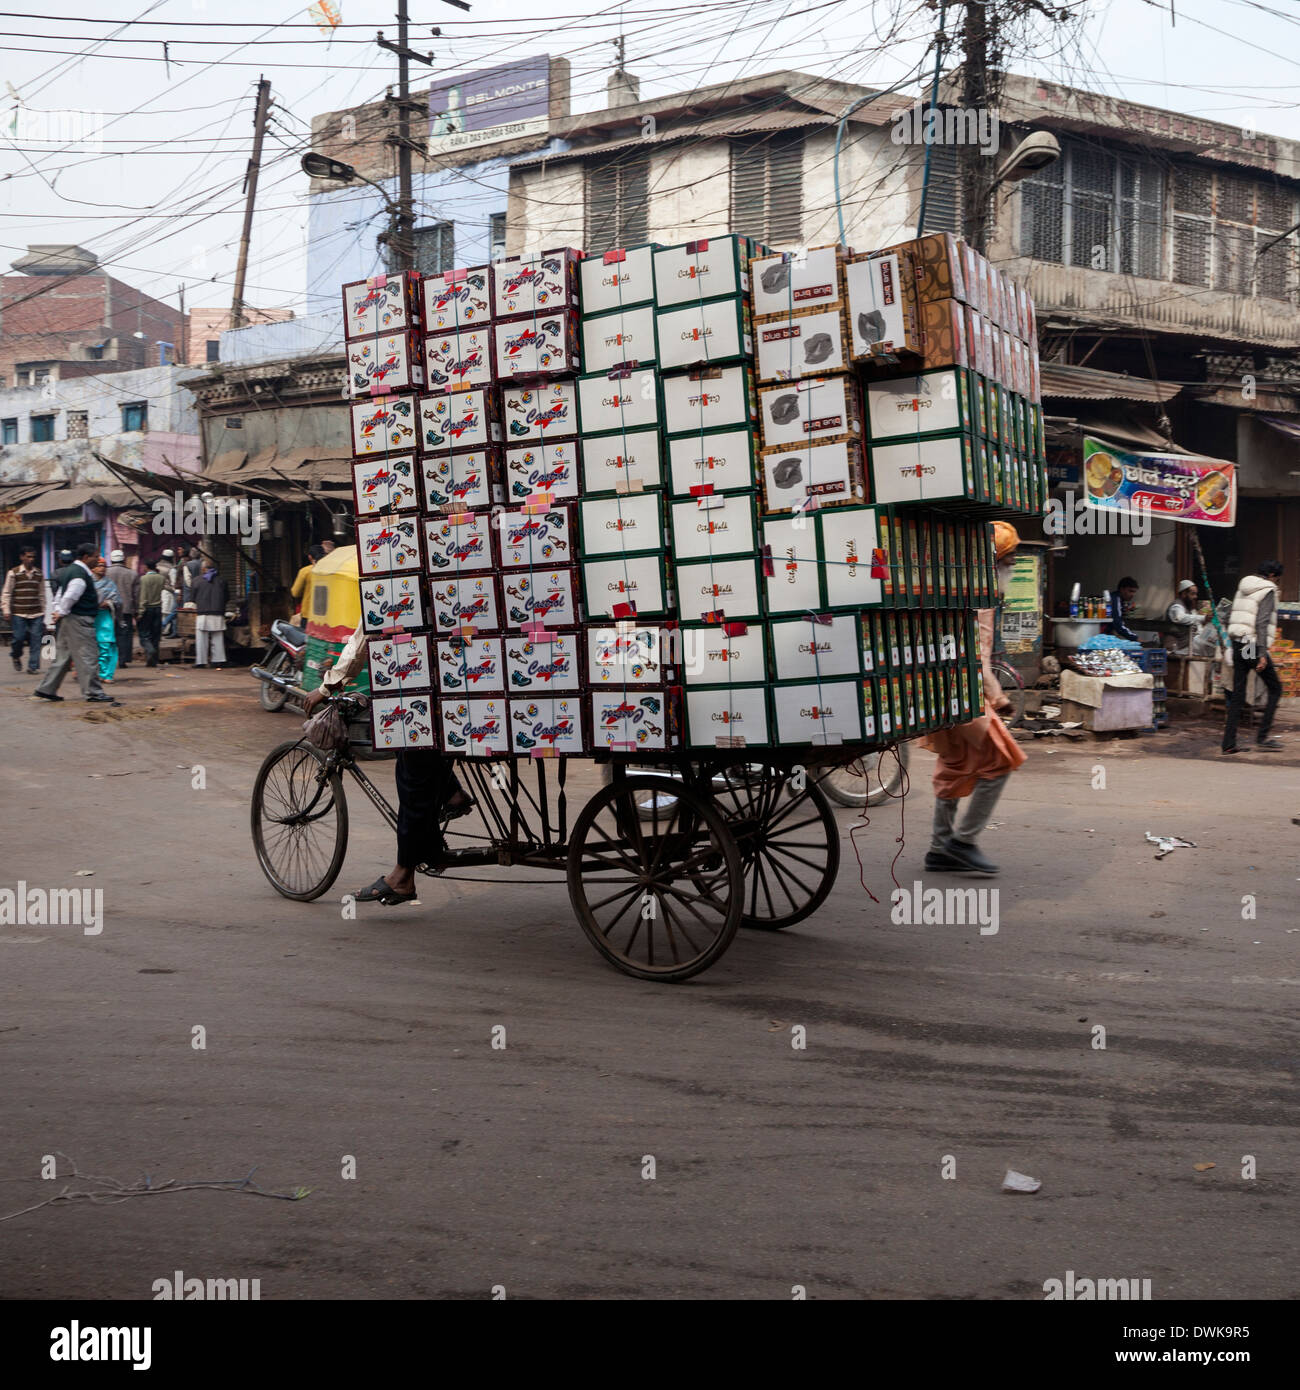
{"x":1181,"y":487}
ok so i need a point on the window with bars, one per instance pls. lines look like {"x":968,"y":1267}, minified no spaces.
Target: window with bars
{"x":435,"y":248}
{"x":618,"y":194}
{"x":497,"y":236}
{"x":1096,"y":208}
{"x":767,"y":188}
{"x":1222,"y":225}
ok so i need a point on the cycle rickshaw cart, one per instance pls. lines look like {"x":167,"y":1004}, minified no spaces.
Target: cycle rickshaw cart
{"x":669,"y":856}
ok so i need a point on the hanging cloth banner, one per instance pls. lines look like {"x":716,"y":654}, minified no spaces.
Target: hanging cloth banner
{"x":1181,"y":487}
{"x":326,"y":15}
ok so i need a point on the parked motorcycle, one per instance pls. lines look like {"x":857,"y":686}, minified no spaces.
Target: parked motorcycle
{"x":283,"y":657}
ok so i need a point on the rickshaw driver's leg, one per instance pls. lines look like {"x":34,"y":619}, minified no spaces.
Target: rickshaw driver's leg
{"x":425,"y":783}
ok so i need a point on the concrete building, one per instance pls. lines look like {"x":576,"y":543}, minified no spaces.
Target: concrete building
{"x":204,"y":327}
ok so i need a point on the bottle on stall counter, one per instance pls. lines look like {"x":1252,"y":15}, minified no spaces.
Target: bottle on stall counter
{"x":1074,"y":599}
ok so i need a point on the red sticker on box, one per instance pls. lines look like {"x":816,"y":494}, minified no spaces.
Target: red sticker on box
{"x":624,"y":610}
{"x":613,"y":257}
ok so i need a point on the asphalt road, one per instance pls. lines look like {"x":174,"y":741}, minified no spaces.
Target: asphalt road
{"x":522,"y":1167}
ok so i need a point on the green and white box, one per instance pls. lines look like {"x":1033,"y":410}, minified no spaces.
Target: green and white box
{"x":802,"y":412}
{"x":625,"y":335}
{"x":824,"y":713}
{"x":609,"y":403}
{"x":848,"y":536}
{"x":714,"y":333}
{"x":711,"y":657}
{"x":804,"y":649}
{"x":731,"y":587}
{"x":626,"y":579}
{"x":618,"y":279}
{"x":923,"y":470}
{"x":936,"y":402}
{"x":625,"y":462}
{"x":795,"y":583}
{"x":801,"y":344}
{"x":721,"y":524}
{"x":723,"y":459}
{"x":705,"y":269}
{"x":624,"y":524}
{"x":709,"y":398}
{"x":727,"y":716}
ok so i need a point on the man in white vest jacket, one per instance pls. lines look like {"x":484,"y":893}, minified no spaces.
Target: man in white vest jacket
{"x":1252,"y":625}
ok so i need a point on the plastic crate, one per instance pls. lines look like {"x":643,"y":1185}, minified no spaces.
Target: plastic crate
{"x":1153,"y":660}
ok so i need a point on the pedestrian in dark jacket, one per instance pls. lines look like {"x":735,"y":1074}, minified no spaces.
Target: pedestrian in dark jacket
{"x":211,"y":597}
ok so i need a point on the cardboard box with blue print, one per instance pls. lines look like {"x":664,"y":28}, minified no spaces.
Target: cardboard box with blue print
{"x":456,"y":299}
{"x":392,"y":601}
{"x":542,"y":597}
{"x":544,"y":345}
{"x":385,"y":426}
{"x":383,"y":485}
{"x":612,"y":402}
{"x":459,"y":543}
{"x":828,"y":473}
{"x":389,"y":362}
{"x":809,"y":342}
{"x":810,"y":411}
{"x":389,"y":545}
{"x":548,"y":725}
{"x":459,"y":359}
{"x":382,"y":304}
{"x":540,"y":284}
{"x":617,"y":279}
{"x":545,"y":411}
{"x":620,"y":337}
{"x":402,"y":722}
{"x":465,"y":481}
{"x":458,"y":420}
{"x":548,"y":468}
{"x":632,"y":719}
{"x":465,"y":601}
{"x":470,"y":665}
{"x":537,"y":537}
{"x":630,"y":461}
{"x":475,"y":727}
{"x":548,"y":663}
{"x":628,"y":653}
{"x":399,"y":664}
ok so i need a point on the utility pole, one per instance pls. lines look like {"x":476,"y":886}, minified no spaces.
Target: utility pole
{"x":185,"y":329}
{"x":250,"y":184}
{"x":402,"y":238}
{"x":977,"y":94}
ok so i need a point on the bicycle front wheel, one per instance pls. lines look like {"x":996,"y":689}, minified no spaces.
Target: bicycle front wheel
{"x":300,"y":821}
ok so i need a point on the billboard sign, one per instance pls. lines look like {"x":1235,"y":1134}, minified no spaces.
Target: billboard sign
{"x":1181,"y":487}
{"x":483,"y":108}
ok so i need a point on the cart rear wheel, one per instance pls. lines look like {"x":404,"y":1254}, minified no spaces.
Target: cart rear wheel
{"x":788,"y":838}
{"x":300,"y":821}
{"x":659,"y":898}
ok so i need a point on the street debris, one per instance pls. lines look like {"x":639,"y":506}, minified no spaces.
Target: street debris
{"x":85,"y":873}
{"x":1203,"y":1167}
{"x":1169,"y":843}
{"x":1019,"y":1182}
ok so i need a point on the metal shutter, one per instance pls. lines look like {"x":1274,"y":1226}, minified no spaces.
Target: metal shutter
{"x":618,"y":194}
{"x":767,"y":188}
{"x":943,"y":193}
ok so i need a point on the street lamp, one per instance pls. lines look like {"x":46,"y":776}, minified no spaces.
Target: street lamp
{"x":1036,"y":151}
{"x":320,"y":166}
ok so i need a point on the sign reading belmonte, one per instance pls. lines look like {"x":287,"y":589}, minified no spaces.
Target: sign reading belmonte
{"x":483,"y":108}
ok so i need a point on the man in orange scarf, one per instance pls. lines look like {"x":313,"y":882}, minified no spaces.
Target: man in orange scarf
{"x":975,"y":759}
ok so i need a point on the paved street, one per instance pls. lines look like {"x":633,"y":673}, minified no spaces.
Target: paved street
{"x":523,"y":1167}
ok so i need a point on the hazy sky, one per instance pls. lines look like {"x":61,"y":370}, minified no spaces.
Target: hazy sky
{"x":160,"y":201}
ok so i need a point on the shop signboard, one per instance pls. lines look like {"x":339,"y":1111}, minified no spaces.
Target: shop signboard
{"x":1182,"y":487}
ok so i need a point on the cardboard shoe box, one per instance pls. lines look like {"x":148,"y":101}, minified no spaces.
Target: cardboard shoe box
{"x":792,"y":568}
{"x":924,"y":470}
{"x":456,"y":299}
{"x":548,"y":726}
{"x":470,"y":666}
{"x":384,"y":426}
{"x":620,"y":525}
{"x":801,"y":412}
{"x":936,"y":264}
{"x":392,"y":601}
{"x":462,"y":481}
{"x":815,"y":647}
{"x":716,"y":526}
{"x":623,"y":462}
{"x":717,"y":461}
{"x":626,"y":586}
{"x":546,"y":411}
{"x":383,"y":485}
{"x":883,"y":314}
{"x":617,"y":279}
{"x":389,"y":545}
{"x":727,"y":716}
{"x":611,"y":402}
{"x":709,"y":398}
{"x":399,"y":664}
{"x":719,"y":590}
{"x":458,"y":543}
{"x":536,"y":537}
{"x":700,"y":270}
{"x":537,"y":284}
{"x":459,"y":420}
{"x":545,"y":345}
{"x":478,"y":727}
{"x":622,"y":336}
{"x":712,"y":334}
{"x":546,"y":663}
{"x":850,"y":537}
{"x":727,"y":654}
{"x":540,"y":598}
{"x":548,"y":468}
{"x":933,"y":402}
{"x":632,"y":719}
{"x":832,"y":471}
{"x":469,"y":601}
{"x":390,"y":362}
{"x":403,"y":721}
{"x":791,"y":281}
{"x":822,"y":713}
{"x":812,"y":342}
{"x":628,"y":654}
{"x":459,"y":359}
{"x":382,"y":304}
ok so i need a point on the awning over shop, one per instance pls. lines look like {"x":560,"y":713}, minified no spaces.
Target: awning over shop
{"x":1289,"y":427}
{"x":1092,"y":384}
{"x":68,"y":503}
{"x":1172,"y":487}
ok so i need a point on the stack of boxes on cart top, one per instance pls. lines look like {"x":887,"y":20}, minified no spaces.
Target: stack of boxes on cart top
{"x":633,"y":501}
